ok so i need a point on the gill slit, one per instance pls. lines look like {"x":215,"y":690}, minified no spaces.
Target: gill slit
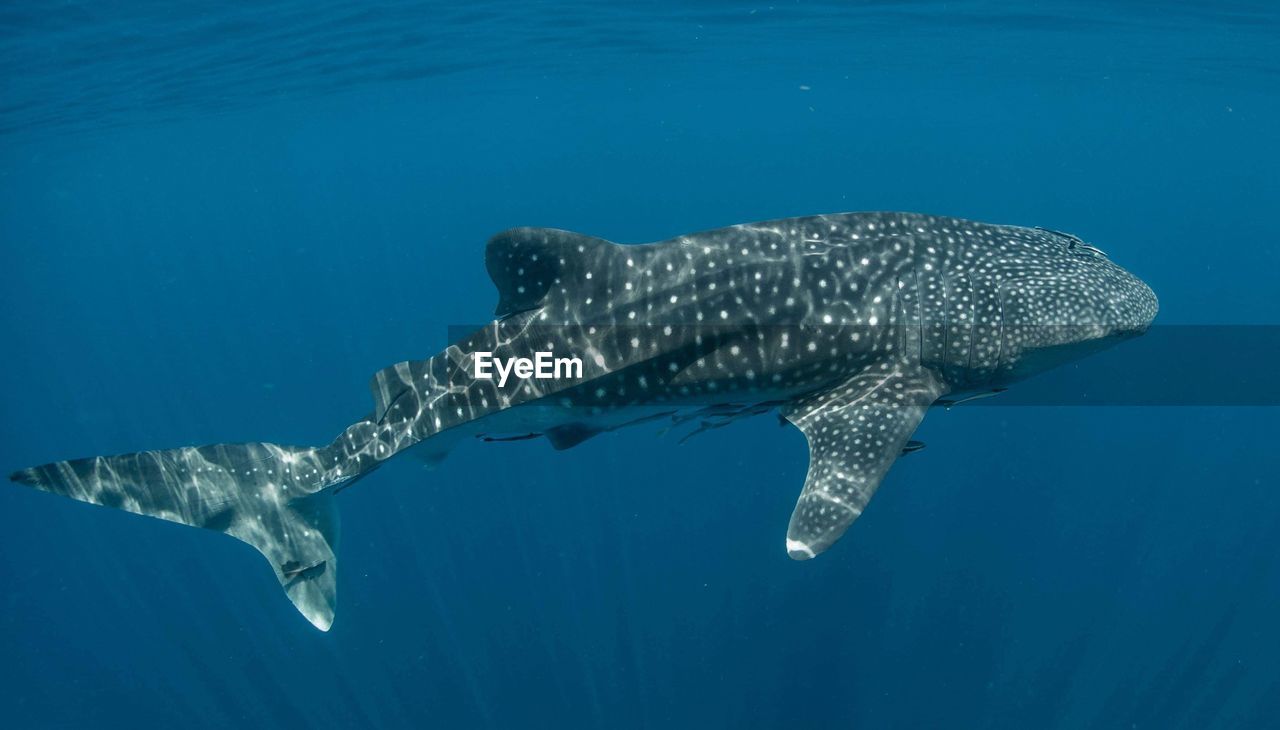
{"x":973,"y":320}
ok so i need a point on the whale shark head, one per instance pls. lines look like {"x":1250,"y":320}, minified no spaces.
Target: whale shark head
{"x":1063,"y":299}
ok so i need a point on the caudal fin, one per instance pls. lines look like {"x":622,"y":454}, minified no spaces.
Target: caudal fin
{"x":278,"y":499}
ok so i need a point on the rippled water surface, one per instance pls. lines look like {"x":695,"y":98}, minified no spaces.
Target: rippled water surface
{"x":76,"y":64}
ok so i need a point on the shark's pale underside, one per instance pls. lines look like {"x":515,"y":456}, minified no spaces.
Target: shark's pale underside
{"x":851,"y":325}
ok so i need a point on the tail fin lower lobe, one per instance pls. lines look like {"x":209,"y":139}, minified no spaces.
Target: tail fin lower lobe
{"x":279,"y":499}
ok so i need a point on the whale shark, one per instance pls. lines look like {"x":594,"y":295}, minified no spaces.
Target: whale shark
{"x":848,"y":326}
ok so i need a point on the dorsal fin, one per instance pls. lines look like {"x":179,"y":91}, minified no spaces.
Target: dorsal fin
{"x":524,"y":263}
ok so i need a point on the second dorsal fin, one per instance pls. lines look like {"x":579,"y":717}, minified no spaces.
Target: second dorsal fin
{"x":524,"y":263}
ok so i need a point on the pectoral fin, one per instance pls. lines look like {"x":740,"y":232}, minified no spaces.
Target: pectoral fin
{"x":855,"y":431}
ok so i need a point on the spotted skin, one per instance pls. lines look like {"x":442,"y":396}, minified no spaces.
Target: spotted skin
{"x":851,"y":324}
{"x":855,"y":431}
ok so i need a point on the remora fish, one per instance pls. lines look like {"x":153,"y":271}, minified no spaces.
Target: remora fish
{"x":852,"y":325}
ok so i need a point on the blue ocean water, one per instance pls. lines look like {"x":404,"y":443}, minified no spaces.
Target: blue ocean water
{"x":217,"y":220}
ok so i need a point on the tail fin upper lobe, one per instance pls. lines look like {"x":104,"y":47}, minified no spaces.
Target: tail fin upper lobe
{"x":279,"y":499}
